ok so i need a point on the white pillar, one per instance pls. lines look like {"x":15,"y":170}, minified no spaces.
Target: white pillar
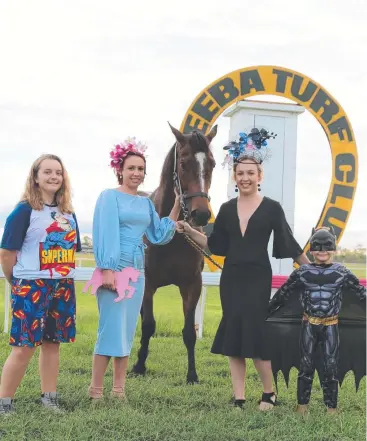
{"x":280,"y":170}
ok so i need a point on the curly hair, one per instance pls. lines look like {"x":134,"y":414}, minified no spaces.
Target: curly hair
{"x":117,"y":171}
{"x":32,"y":193}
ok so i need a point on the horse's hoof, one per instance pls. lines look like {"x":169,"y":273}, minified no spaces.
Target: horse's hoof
{"x":138,"y":370}
{"x":192,"y":379}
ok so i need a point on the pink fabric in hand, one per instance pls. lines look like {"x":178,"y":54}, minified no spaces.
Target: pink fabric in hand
{"x":122,"y":279}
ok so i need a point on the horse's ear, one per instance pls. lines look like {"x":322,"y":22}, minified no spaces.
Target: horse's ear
{"x":178,"y":135}
{"x":212,"y":133}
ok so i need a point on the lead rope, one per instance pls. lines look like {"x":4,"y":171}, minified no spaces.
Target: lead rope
{"x":192,"y":242}
{"x":201,"y":251}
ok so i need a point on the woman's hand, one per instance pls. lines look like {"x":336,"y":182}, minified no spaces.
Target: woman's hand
{"x":108,"y":280}
{"x":196,"y":236}
{"x":177,"y":197}
{"x":183,"y":227}
{"x":176,"y":209}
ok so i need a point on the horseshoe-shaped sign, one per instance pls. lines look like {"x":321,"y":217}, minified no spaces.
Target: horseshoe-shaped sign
{"x":272,"y":80}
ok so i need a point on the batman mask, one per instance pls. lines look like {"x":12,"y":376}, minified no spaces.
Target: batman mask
{"x":323,"y":240}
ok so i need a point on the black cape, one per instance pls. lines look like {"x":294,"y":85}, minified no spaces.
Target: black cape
{"x":283,"y":331}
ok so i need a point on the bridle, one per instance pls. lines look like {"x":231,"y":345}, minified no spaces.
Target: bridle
{"x":184,"y":197}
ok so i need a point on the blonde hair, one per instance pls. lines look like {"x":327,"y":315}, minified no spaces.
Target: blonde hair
{"x":250,"y":159}
{"x":32,"y":193}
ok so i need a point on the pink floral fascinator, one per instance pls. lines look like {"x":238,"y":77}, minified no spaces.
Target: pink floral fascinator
{"x":120,"y":151}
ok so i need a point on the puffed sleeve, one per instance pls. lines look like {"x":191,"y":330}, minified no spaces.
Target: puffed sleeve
{"x":284,"y":244}
{"x":159,"y":231}
{"x":218,"y":241}
{"x":106,"y":238}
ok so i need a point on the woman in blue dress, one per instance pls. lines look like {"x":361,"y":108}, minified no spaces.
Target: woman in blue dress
{"x":121,"y":219}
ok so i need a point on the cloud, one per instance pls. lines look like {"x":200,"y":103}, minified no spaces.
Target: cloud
{"x":80,"y":76}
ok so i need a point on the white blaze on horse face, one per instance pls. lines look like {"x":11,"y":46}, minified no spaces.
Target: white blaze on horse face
{"x":200,"y":157}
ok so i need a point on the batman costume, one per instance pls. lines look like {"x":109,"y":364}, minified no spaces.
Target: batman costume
{"x":324,"y":290}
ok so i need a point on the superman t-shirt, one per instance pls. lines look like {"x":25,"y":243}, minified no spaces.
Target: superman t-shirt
{"x":45,"y":241}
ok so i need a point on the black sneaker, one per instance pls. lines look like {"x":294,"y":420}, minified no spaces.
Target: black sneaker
{"x":6,"y":406}
{"x":237,"y":403}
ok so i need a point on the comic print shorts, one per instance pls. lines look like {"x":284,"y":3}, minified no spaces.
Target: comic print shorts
{"x":42,"y":310}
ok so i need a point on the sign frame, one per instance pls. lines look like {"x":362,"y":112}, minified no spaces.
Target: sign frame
{"x":247,"y":82}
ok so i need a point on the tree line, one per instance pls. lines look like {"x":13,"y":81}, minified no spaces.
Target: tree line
{"x":357,"y":255}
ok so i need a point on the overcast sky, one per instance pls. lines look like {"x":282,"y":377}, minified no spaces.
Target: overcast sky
{"x":78,"y":76}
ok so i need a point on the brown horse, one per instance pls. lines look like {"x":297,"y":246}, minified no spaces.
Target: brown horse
{"x":188,"y":167}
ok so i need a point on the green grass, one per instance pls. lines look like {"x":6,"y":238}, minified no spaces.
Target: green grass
{"x":87,"y":260}
{"x":161,"y":406}
{"x":359,"y":269}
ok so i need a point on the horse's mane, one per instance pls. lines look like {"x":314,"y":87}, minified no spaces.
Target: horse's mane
{"x":167,"y":169}
{"x":198,"y":142}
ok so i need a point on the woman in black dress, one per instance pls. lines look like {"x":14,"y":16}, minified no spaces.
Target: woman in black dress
{"x":241,"y":233}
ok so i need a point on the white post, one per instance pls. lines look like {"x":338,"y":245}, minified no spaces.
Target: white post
{"x":7,"y":306}
{"x":280,"y":171}
{"x":199,"y":314}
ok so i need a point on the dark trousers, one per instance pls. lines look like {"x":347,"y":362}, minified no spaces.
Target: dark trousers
{"x":328,"y":337}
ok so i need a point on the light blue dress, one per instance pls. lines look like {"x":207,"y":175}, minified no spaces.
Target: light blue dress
{"x":120,"y":222}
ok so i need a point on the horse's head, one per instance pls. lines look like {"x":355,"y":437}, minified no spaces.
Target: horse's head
{"x":193,"y":168}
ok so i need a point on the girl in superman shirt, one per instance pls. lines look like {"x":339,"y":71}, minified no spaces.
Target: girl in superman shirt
{"x":38,"y":259}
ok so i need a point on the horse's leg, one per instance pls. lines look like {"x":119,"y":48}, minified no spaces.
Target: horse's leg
{"x":147,"y":330}
{"x":190,"y":296}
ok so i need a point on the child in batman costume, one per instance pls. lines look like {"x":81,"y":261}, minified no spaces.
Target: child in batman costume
{"x":322,"y":286}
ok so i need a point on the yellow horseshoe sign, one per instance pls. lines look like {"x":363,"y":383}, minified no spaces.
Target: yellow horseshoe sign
{"x":272,"y":80}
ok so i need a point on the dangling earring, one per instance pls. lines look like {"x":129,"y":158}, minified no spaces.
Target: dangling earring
{"x":236,"y":188}
{"x":258,"y":187}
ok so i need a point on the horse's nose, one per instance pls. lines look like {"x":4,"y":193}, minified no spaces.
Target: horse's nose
{"x":200,"y":217}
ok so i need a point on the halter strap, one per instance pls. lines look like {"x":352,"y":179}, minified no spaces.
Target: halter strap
{"x":184,"y":196}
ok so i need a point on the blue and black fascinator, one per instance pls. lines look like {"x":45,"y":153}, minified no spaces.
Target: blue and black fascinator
{"x":253,"y":145}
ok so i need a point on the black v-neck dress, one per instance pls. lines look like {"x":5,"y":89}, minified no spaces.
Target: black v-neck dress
{"x":245,"y":284}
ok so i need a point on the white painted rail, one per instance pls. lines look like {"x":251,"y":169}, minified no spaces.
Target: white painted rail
{"x":85,"y":274}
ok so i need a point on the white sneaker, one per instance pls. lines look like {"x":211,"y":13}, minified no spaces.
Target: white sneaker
{"x":50,"y":400}
{"x":6,"y":406}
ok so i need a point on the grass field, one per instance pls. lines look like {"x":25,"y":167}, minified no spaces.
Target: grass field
{"x":161,"y":406}
{"x":358,"y":269}
{"x":87,"y":260}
